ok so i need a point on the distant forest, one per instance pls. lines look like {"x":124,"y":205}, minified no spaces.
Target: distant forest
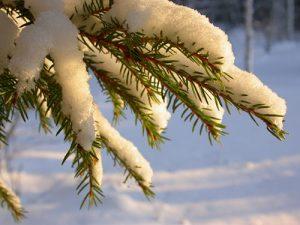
{"x":231,"y":12}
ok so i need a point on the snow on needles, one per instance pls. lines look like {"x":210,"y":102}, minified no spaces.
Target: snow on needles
{"x":54,"y":33}
{"x":107,"y":62}
{"x":68,"y":7}
{"x":27,"y":62}
{"x":12,"y":198}
{"x":123,"y":149}
{"x":154,"y":17}
{"x":207,"y":103}
{"x":246,"y":87}
{"x":8,"y":33}
{"x":157,"y":109}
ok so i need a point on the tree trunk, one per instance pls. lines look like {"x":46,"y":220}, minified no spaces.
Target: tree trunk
{"x":290,"y":19}
{"x":249,"y":35}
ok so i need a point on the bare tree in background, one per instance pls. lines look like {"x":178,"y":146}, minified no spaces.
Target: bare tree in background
{"x":249,"y":35}
{"x":290,"y":19}
{"x":278,"y":26}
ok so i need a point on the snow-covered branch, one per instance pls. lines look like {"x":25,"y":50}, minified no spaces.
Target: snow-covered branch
{"x":149,"y":55}
{"x":9,"y":199}
{"x":124,"y":151}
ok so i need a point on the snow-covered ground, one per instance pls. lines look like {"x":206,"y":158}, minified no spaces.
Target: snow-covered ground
{"x":251,"y":179}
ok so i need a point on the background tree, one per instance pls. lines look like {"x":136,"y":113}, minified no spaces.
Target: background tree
{"x":249,"y":35}
{"x":291,"y":19}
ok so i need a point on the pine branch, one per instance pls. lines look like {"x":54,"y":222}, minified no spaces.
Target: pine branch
{"x":211,"y":80}
{"x":141,"y":111}
{"x":138,"y":71}
{"x":131,"y":48}
{"x":9,"y":200}
{"x":83,"y":160}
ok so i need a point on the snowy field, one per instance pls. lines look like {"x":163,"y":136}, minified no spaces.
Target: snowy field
{"x":250,"y":179}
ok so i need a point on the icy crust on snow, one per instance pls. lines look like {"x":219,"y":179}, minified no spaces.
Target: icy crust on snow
{"x":123,"y":149}
{"x":8,"y":33}
{"x":55,"y":34}
{"x":154,"y":17}
{"x":247,"y":87}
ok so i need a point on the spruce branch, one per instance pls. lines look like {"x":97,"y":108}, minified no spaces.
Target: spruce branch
{"x":212,"y":80}
{"x":132,"y":49}
{"x":141,"y":111}
{"x":83,"y":160}
{"x":9,"y":200}
{"x":135,"y":69}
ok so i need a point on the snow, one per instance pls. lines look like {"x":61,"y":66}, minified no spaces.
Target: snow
{"x":39,"y":6}
{"x":251,"y":179}
{"x":162,"y":17}
{"x":73,"y":77}
{"x":245,"y":84}
{"x":46,"y":35}
{"x":107,"y":62}
{"x":208,"y":105}
{"x":69,"y":7}
{"x":9,"y":28}
{"x":123,"y":149}
{"x":27,"y":62}
{"x":173,"y":21}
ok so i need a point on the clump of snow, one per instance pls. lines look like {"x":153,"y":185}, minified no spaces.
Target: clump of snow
{"x":38,"y":6}
{"x":154,"y":17}
{"x":247,"y":87}
{"x":123,"y":149}
{"x":32,"y":46}
{"x":157,"y":109}
{"x":8,"y":31}
{"x":73,"y":77}
{"x":54,"y":33}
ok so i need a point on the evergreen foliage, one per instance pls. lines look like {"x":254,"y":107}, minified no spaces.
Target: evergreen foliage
{"x":146,"y":63}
